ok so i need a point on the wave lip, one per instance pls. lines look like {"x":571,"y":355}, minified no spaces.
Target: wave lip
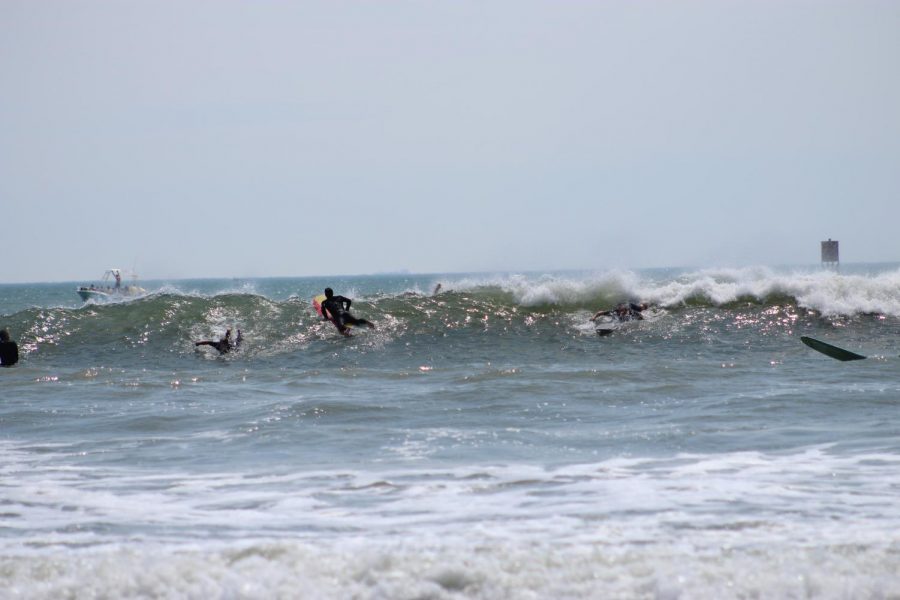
{"x":827,"y":292}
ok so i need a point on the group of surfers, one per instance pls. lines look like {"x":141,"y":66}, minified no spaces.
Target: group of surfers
{"x":333,"y":308}
{"x":336,"y":309}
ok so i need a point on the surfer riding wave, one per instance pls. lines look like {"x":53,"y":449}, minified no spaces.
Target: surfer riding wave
{"x":336,"y":309}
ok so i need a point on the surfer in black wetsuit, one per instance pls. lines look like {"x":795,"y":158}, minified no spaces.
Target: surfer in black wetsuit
{"x":225,"y":344}
{"x":337,"y":308}
{"x":9,"y":350}
{"x":626,"y":311}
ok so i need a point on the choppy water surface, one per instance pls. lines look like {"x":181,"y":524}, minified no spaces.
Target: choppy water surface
{"x":483,"y":442}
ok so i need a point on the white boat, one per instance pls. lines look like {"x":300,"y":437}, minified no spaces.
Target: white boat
{"x":111,"y":287}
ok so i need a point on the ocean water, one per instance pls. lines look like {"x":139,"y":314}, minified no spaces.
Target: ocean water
{"x":483,"y":442}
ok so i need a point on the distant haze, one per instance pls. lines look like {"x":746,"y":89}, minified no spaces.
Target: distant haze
{"x":223,"y":138}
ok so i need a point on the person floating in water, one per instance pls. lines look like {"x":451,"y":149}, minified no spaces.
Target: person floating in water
{"x":626,"y":311}
{"x":335,"y":309}
{"x":225,"y":344}
{"x":9,"y":350}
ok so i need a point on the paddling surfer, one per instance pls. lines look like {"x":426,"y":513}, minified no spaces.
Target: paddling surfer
{"x":626,"y":311}
{"x":224,"y":345}
{"x":336,"y":309}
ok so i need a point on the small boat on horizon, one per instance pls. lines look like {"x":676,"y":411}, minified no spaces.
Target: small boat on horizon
{"x":110,"y":287}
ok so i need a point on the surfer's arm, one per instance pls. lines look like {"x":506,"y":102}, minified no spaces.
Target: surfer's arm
{"x":600,"y":313}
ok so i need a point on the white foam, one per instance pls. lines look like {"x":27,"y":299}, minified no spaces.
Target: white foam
{"x":828,"y":292}
{"x":736,"y":499}
{"x":430,"y":568}
{"x":535,"y":290}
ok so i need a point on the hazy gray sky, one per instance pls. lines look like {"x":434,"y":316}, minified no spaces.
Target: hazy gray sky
{"x":266,"y":138}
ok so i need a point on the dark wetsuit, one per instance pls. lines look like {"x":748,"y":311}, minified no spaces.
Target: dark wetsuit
{"x":629,"y":312}
{"x":338,"y":307}
{"x":224,"y":345}
{"x":9,"y":353}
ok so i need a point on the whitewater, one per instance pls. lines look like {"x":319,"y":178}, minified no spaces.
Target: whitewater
{"x":480,"y":442}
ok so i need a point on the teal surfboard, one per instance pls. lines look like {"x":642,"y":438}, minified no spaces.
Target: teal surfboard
{"x":829,"y":350}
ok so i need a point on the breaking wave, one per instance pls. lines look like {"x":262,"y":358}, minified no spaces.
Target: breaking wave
{"x":168,"y":321}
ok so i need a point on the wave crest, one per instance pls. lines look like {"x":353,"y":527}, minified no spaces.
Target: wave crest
{"x":826,"y":292}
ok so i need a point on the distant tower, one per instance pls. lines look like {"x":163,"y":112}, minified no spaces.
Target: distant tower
{"x":830,"y":256}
